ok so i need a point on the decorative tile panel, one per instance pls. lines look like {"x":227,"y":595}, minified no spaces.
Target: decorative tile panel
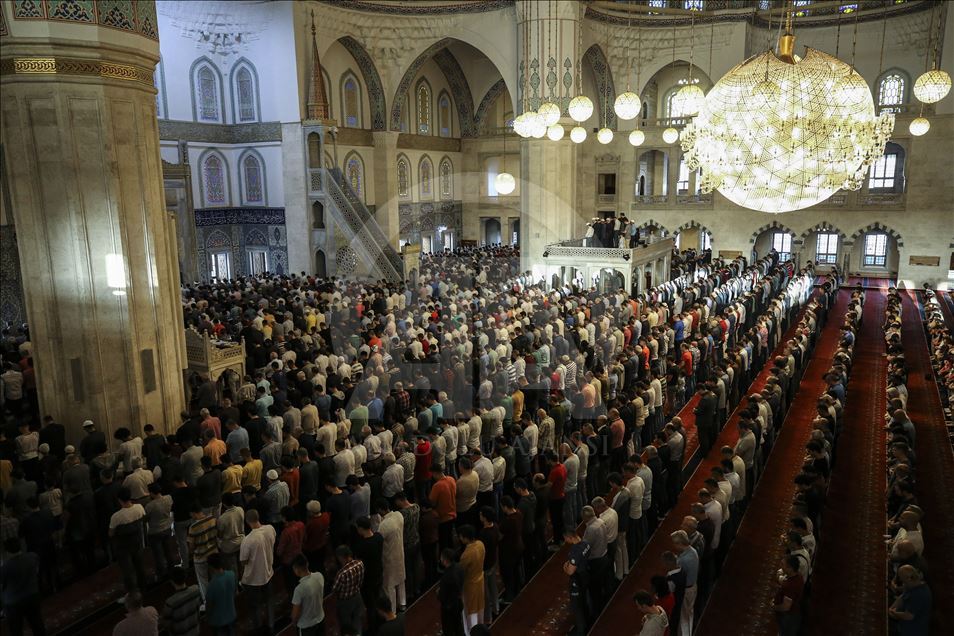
{"x":117,"y":14}
{"x":29,"y":10}
{"x":72,"y":11}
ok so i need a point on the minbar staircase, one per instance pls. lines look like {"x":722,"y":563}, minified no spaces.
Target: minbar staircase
{"x":366,"y":234}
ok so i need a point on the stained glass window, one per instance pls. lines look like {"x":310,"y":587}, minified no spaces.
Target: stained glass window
{"x":246,"y":95}
{"x":426,"y":176}
{"x":444,"y":116}
{"x":423,"y":108}
{"x":447,"y":185}
{"x":354,"y":172}
{"x":213,"y":175}
{"x":351,"y":103}
{"x":253,"y":180}
{"x":208,"y":95}
{"x":403,"y":178}
{"x":891,"y":93}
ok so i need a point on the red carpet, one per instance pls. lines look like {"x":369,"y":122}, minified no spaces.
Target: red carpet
{"x":850,"y":544}
{"x":935,"y":466}
{"x":620,"y":610}
{"x":740,"y":603}
{"x":868,"y":283}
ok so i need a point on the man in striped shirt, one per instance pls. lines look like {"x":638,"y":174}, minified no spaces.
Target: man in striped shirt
{"x":203,"y":541}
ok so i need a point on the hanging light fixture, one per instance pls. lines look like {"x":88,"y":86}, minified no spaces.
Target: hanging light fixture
{"x":578,"y":134}
{"x":627,"y":103}
{"x":504,"y":182}
{"x":670,"y":135}
{"x":549,"y":113}
{"x":690,"y":96}
{"x":777,"y":133}
{"x":580,"y":107}
{"x":604,"y":136}
{"x":555,"y":132}
{"x":935,"y":84}
{"x":637,"y":137}
{"x":919,"y":126}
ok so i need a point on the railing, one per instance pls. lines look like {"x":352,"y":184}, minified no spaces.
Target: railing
{"x":606,"y":198}
{"x":649,"y":199}
{"x":363,"y":225}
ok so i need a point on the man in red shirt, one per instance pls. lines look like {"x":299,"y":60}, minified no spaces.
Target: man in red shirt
{"x":686,"y":359}
{"x":443,"y":498}
{"x":617,"y":437}
{"x":422,"y":467}
{"x":557,"y":479}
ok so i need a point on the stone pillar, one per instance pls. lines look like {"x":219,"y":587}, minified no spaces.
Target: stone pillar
{"x":547,"y":199}
{"x":672,"y":178}
{"x":468,"y":184}
{"x":81,"y":146}
{"x":385,"y":184}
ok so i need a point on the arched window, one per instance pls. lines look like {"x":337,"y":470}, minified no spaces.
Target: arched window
{"x":675,"y":108}
{"x":354,"y":173}
{"x":403,"y":177}
{"x":214,"y":184}
{"x":207,"y":92}
{"x":425,"y":178}
{"x":245,"y":91}
{"x":782,"y":243}
{"x":826,"y":248}
{"x":876,"y":249}
{"x":682,"y":185}
{"x":447,"y":182}
{"x":253,"y":179}
{"x":351,"y":101}
{"x":891,"y":92}
{"x":423,"y":93}
{"x":444,"y":115}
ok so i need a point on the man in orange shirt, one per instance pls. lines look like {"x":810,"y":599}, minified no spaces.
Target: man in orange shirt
{"x":214,"y":447}
{"x":443,"y":498}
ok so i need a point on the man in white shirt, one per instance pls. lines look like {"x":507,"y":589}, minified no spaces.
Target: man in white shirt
{"x":636,"y":529}
{"x":344,"y":463}
{"x":256,"y":553}
{"x":138,"y":481}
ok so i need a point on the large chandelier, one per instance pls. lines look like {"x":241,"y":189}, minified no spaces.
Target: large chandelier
{"x":777,"y":133}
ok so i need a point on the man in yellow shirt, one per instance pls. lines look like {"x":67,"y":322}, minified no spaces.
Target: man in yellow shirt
{"x":251,"y":470}
{"x":231,"y":476}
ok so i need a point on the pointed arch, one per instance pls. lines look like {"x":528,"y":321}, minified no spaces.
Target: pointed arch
{"x":217,"y":240}
{"x":354,"y":173}
{"x":256,"y":237}
{"x":445,"y":174}
{"x":372,"y":81}
{"x":605,"y":87}
{"x":352,"y":106}
{"x":404,"y":176}
{"x":774,"y":225}
{"x":423,"y":108}
{"x":252,"y":181}
{"x":692,"y":225}
{"x":824,"y":226}
{"x":246,"y":102}
{"x":425,"y":178}
{"x":656,"y":224}
{"x":208,"y":98}
{"x":878,"y":227}
{"x":214,"y":181}
{"x":460,"y":89}
{"x":480,"y":117}
{"x":445,"y":123}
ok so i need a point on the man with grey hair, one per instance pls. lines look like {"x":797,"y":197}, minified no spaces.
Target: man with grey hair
{"x":688,"y":560}
{"x":138,"y":481}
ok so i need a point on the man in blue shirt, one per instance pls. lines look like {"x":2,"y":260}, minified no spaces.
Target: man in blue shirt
{"x":688,"y":560}
{"x":220,"y":596}
{"x":911,"y":612}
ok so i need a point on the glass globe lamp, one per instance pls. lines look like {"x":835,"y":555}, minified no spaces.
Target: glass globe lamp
{"x":580,"y":108}
{"x":637,"y":137}
{"x":627,"y":105}
{"x":670,"y":135}
{"x":520,"y":124}
{"x":555,"y":132}
{"x":604,"y":136}
{"x":505,"y":183}
{"x":919,"y":126}
{"x":691,"y":97}
{"x":538,"y":129}
{"x":932,"y":86}
{"x":549,"y":112}
{"x":578,"y":134}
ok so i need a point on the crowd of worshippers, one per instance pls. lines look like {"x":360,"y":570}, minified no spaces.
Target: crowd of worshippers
{"x":618,"y":525}
{"x":941,"y":345}
{"x":909,"y":593}
{"x":387,"y":438}
{"x":613,"y":232}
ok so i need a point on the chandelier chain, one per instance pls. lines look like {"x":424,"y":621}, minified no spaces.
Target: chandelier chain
{"x":884,"y":32}
{"x":937,"y":37}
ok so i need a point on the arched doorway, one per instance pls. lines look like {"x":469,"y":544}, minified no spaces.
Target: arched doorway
{"x":321,"y":267}
{"x":515,"y":232}
{"x":610,"y":280}
{"x":317,"y":215}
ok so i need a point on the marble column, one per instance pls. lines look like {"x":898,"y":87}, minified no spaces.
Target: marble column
{"x":81,"y":147}
{"x":547,"y":203}
{"x":385,"y":184}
